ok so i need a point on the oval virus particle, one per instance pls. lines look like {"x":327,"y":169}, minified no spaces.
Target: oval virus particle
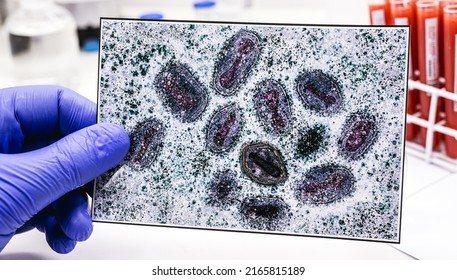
{"x":319,"y":91}
{"x":236,"y":61}
{"x":223,"y":189}
{"x":264,"y":212}
{"x":224,"y":128}
{"x":325,"y":184}
{"x":146,"y":143}
{"x":263,"y":164}
{"x":272,"y":106}
{"x":181,"y":92}
{"x":359,"y":134}
{"x":311,"y":140}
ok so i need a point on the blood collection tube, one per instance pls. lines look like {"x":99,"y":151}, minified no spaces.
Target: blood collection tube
{"x":427,"y":19}
{"x":379,"y":12}
{"x":402,"y":12}
{"x":449,"y":36}
{"x":443,"y":4}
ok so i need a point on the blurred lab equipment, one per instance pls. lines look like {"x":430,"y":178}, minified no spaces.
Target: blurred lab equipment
{"x":2,"y":11}
{"x":7,"y":7}
{"x":152,"y":16}
{"x":204,"y":10}
{"x":42,"y":43}
{"x":87,"y":15}
{"x":232,"y":10}
{"x":221,"y":10}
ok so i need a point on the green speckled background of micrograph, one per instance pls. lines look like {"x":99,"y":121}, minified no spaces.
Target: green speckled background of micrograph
{"x":369,"y":64}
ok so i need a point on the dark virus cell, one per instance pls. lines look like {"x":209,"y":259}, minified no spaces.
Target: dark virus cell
{"x":235,"y":62}
{"x":359,"y":134}
{"x":223,"y":189}
{"x":181,"y":92}
{"x":311,"y":140}
{"x":272,"y":106}
{"x":224,"y":128}
{"x":319,"y":91}
{"x":325,"y":184}
{"x":146,"y":143}
{"x":263,"y":163}
{"x":265,"y":212}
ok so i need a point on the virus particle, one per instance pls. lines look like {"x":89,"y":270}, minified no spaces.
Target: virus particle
{"x":325,"y":184}
{"x":224,"y":128}
{"x":235,"y":62}
{"x":263,"y":164}
{"x":265,"y":212}
{"x":223,"y":189}
{"x":319,"y":92}
{"x":272,"y":106}
{"x":181,"y":92}
{"x":146,"y":143}
{"x":359,"y":134}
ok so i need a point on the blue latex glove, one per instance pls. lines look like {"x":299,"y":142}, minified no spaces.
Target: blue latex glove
{"x":50,"y":146}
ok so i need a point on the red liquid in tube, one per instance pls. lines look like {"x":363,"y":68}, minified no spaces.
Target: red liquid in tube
{"x":443,"y":4}
{"x":379,"y":12}
{"x":427,"y":16}
{"x":402,"y":12}
{"x":449,"y":34}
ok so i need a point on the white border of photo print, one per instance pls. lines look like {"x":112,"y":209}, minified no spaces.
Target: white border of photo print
{"x":285,"y":129}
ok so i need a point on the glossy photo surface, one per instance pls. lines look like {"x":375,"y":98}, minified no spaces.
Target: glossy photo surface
{"x":262,"y":128}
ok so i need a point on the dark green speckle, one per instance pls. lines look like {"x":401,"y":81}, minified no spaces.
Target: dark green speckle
{"x":311,"y":140}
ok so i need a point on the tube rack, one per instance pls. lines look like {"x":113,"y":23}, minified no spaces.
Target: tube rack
{"x":427,"y":153}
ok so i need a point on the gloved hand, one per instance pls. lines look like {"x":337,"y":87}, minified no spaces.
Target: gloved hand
{"x":50,"y":146}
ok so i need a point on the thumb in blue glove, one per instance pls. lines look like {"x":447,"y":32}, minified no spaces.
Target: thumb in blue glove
{"x":49,"y":146}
